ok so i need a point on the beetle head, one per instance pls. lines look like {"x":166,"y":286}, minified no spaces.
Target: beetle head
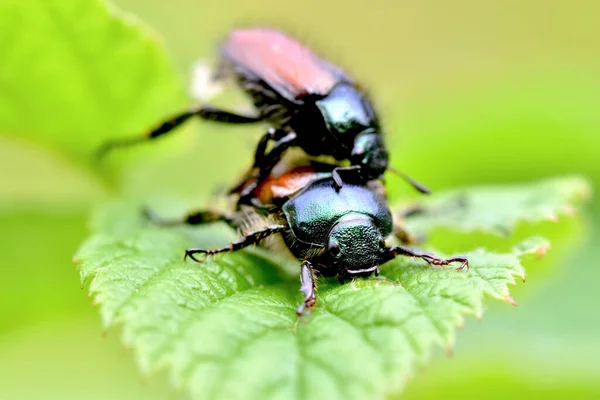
{"x":355,"y":245}
{"x":370,"y":153}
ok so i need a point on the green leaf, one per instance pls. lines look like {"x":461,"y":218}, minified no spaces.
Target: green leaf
{"x":499,"y":208}
{"x":39,"y":176}
{"x":228,"y":329}
{"x":75,"y":73}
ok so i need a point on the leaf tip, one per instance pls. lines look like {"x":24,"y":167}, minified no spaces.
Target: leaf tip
{"x":510,"y":300}
{"x":537,"y":246}
{"x":542,"y":250}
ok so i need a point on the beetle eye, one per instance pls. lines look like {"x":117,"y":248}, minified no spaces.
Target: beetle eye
{"x":333,"y":248}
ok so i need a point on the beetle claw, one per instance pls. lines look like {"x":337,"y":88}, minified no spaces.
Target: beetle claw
{"x":190,"y":253}
{"x":465,"y":263}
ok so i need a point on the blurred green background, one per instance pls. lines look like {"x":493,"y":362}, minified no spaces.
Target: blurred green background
{"x":469,"y":91}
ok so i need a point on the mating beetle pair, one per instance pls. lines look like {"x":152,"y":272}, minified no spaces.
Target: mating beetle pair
{"x":334,"y":218}
{"x":335,"y":232}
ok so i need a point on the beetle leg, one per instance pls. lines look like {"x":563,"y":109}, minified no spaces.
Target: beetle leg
{"x":406,"y":237}
{"x":259,"y":154}
{"x":402,"y":234}
{"x":264,"y":163}
{"x":431,"y":259}
{"x":204,"y":112}
{"x":307,"y":287}
{"x":245,"y":241}
{"x":348,"y":171}
{"x":194,"y":218}
{"x":337,"y":179}
{"x":411,"y":210}
{"x":261,"y":148}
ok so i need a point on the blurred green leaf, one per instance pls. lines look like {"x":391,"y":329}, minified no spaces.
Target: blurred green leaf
{"x":74,"y":73}
{"x":228,"y":328}
{"x":45,"y":361}
{"x":41,"y":177}
{"x":499,"y":208}
{"x":37,"y":283}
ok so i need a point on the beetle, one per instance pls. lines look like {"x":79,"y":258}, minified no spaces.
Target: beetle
{"x":307,"y":101}
{"x":335,"y":232}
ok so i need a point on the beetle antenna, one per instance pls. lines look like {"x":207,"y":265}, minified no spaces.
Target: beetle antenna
{"x":418,"y":186}
{"x":116,"y":143}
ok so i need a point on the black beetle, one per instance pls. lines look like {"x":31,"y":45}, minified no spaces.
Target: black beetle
{"x":308,"y":102}
{"x":337,"y":232}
